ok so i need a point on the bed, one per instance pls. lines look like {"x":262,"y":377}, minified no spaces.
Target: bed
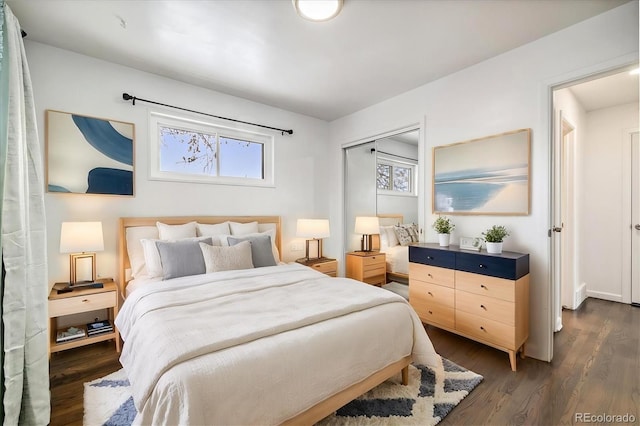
{"x":397,"y":255}
{"x":276,"y":344}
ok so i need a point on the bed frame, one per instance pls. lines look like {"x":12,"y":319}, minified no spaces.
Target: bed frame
{"x":323,"y":408}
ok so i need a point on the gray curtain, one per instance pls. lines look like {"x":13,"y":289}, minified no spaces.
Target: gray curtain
{"x":23,"y":240}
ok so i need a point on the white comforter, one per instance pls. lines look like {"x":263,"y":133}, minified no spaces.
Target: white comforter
{"x":259,"y":345}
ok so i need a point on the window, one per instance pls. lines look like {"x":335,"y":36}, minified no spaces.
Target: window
{"x":395,"y":177}
{"x":184,"y":149}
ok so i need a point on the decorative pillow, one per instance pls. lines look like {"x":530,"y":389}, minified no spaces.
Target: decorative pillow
{"x":227,"y":258}
{"x":403,"y":235}
{"x":261,"y":252}
{"x":152,"y":255}
{"x":181,"y":258}
{"x":243,"y":228}
{"x":210,"y":230}
{"x":135,"y":250}
{"x":413,"y":231}
{"x":224,"y":241}
{"x":176,"y":232}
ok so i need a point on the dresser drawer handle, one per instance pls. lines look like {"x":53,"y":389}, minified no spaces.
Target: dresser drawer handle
{"x":430,"y":312}
{"x":85,"y":300}
{"x":430,"y":276}
{"x":430,"y":257}
{"x":483,"y":307}
{"x":482,"y":328}
{"x":429,"y":293}
{"x":483,"y":286}
{"x":482,"y":266}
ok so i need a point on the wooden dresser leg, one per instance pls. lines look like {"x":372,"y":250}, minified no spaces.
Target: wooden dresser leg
{"x":512,"y":359}
{"x":405,"y":375}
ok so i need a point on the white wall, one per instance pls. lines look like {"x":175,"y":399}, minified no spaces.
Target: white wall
{"x":70,"y":82}
{"x":508,"y":92}
{"x":605,"y":223}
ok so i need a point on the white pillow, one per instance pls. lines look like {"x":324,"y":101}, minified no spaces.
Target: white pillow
{"x":227,"y":258}
{"x":392,"y":239}
{"x":152,"y":255}
{"x":176,"y":232}
{"x":384,"y":240}
{"x":210,"y":230}
{"x":243,"y":228}
{"x":134,"y":249}
{"x":270,"y":232}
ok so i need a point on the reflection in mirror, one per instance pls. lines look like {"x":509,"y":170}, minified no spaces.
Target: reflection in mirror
{"x":381,"y":178}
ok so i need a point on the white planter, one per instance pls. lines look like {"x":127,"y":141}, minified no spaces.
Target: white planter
{"x":443,"y":239}
{"x":494,"y":248}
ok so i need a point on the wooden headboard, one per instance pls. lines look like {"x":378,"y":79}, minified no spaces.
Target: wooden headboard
{"x":127,"y":222}
{"x":386,"y":220}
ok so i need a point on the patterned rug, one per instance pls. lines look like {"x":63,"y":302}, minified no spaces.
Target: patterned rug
{"x":425,"y":401}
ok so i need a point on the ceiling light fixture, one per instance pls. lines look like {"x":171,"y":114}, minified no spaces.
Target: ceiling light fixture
{"x":318,"y":10}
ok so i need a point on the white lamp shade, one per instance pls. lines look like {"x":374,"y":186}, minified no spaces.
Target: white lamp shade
{"x":367,"y":225}
{"x":312,"y":228}
{"x":80,"y":237}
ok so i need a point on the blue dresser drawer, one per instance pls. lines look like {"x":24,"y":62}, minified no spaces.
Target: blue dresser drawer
{"x":432,"y":256}
{"x":508,"y":265}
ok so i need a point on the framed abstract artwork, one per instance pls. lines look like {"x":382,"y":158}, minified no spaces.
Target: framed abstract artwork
{"x":88,"y":155}
{"x":485,"y":176}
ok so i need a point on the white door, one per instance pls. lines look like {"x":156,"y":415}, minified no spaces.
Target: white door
{"x":556,"y":221}
{"x":635,"y":219}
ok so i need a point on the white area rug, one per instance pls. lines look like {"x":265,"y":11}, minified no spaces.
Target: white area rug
{"x":426,"y":400}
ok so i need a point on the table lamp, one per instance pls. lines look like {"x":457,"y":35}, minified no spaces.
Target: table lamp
{"x":316,"y":229}
{"x":367,"y":226}
{"x":81,"y":240}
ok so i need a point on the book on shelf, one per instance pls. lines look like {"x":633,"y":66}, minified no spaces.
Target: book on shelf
{"x":99,"y":327}
{"x":71,"y":333}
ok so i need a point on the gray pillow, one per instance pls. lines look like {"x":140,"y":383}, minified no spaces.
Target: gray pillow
{"x":261,"y":252}
{"x":181,"y":258}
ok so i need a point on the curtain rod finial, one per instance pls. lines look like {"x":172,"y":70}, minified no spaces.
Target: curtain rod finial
{"x":126,"y":96}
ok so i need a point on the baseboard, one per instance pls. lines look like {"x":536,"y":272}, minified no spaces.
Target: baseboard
{"x":604,"y":295}
{"x":580,"y":295}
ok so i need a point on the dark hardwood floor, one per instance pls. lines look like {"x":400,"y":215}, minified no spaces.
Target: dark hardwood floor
{"x":596,"y":370}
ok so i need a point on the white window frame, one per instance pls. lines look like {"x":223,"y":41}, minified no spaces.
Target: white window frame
{"x":393,"y":162}
{"x":158,"y":120}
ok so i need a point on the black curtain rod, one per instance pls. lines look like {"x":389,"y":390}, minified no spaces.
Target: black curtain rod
{"x":128,"y":97}
{"x":393,"y":155}
{"x":23,"y":33}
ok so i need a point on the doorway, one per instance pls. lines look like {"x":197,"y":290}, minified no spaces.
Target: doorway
{"x":591,"y":242}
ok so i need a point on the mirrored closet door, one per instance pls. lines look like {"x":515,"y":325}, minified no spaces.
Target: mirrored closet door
{"x":381,"y":179}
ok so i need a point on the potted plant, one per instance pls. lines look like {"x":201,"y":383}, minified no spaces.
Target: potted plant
{"x":494,"y":237}
{"x":443,"y":226}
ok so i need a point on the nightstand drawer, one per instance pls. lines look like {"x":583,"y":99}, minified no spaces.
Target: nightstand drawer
{"x":326,"y":267}
{"x":373,"y":262}
{"x":432,"y":274}
{"x":74,"y":305}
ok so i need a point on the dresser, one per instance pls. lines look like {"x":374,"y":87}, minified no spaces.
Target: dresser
{"x":481,"y":296}
{"x":369,"y":267}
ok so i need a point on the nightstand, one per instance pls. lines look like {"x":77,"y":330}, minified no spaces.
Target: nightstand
{"x":369,"y":267}
{"x":78,"y":301}
{"x":324,"y":264}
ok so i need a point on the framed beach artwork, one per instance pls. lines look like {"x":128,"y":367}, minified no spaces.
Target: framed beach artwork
{"x":88,"y":155}
{"x":485,"y":176}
